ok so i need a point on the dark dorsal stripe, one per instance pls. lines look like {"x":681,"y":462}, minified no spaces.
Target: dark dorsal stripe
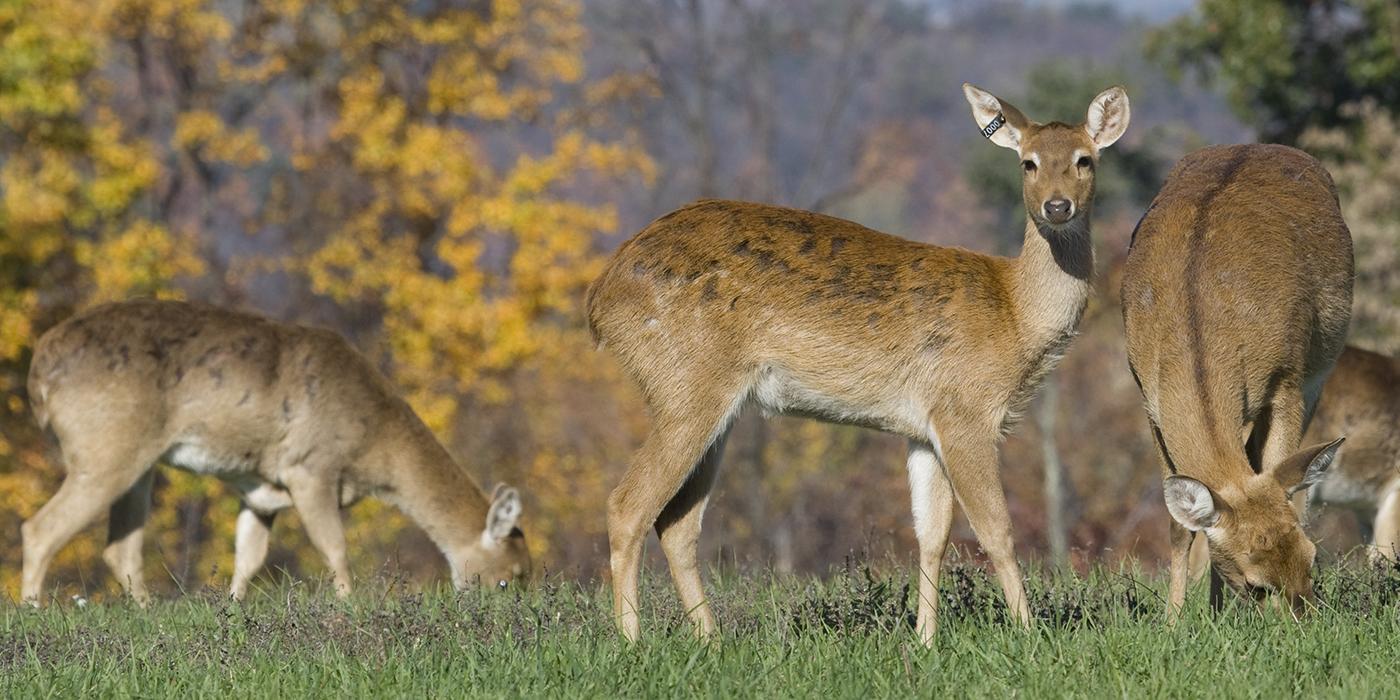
{"x":1194,"y":260}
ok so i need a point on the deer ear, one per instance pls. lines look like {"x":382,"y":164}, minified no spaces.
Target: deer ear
{"x":1108,"y":117}
{"x":1307,"y":466}
{"x":504,"y":512}
{"x":1000,"y":122}
{"x":1190,"y":502}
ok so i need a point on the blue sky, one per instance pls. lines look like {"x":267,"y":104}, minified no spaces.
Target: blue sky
{"x":1151,"y":9}
{"x":1154,"y":10}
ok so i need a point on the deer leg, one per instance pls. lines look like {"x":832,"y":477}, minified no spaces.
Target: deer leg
{"x":1179,"y":565}
{"x":931,"y":495}
{"x":1366,"y":526}
{"x":249,"y":548}
{"x":93,"y":483}
{"x":1180,"y":568}
{"x":1387,"y":529}
{"x":678,"y":439}
{"x":679,"y":530}
{"x":1199,"y":559}
{"x":317,"y":500}
{"x":1285,"y":432}
{"x":972,"y":468}
{"x":126,"y":525}
{"x":1217,"y":591}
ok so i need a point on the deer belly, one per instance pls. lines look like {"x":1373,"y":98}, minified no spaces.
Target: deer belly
{"x":263,"y":497}
{"x":777,"y":392}
{"x":200,"y":458}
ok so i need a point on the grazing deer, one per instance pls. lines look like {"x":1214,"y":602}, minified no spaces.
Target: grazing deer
{"x":1361,"y":400}
{"x":288,"y":415}
{"x":721,"y":303}
{"x":1236,"y":298}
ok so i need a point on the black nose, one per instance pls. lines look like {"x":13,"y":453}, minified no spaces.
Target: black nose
{"x":1057,"y":210}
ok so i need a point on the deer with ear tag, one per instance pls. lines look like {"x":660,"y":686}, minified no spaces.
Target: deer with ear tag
{"x":722,"y":304}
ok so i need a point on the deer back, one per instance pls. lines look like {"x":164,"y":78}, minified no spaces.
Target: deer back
{"x":252,"y":389}
{"x":720,"y":287}
{"x":1238,"y":281}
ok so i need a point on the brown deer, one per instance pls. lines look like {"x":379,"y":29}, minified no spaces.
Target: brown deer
{"x":1362,"y":401}
{"x":288,"y":415}
{"x":721,"y":304}
{"x":1236,"y":298}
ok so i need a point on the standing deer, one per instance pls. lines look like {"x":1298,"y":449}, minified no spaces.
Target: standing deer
{"x":721,"y":303}
{"x":1236,"y":298}
{"x":288,"y":415}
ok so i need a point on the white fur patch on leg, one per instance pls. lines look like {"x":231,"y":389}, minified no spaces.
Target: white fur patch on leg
{"x":923,"y":463}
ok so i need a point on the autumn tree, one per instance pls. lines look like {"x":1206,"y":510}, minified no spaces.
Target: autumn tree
{"x":402,"y":172}
{"x":76,"y":213}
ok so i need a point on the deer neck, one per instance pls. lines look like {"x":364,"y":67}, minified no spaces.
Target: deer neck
{"x":436,"y":492}
{"x":1052,"y":281}
{"x":1198,"y":446}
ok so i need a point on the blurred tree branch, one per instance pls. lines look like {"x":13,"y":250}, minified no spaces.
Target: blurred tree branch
{"x":1289,"y":65}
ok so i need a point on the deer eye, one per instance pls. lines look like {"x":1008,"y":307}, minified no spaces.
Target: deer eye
{"x":1028,"y":166}
{"x":1085,"y":162}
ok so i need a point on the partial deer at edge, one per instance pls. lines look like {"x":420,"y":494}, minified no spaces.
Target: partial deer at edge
{"x":1361,"y":400}
{"x":722,"y":304}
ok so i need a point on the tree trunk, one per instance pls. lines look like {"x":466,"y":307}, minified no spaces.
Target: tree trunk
{"x":1054,"y":475}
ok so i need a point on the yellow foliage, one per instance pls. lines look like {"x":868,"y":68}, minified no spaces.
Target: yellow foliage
{"x":140,"y":260}
{"x":396,"y":194}
{"x":17,"y":307}
{"x":123,"y":170}
{"x":454,"y":322}
{"x":38,"y":189}
{"x":205,"y":131}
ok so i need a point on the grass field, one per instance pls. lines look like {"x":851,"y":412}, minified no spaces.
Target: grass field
{"x":850,"y":635}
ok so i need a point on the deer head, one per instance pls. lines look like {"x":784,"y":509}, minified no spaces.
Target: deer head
{"x":1256,"y":538}
{"x":1058,"y":160}
{"x":499,"y":556}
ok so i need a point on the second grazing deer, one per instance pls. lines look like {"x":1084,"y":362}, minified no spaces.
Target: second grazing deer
{"x":289,"y":415}
{"x":722,"y":304}
{"x":1236,"y":299}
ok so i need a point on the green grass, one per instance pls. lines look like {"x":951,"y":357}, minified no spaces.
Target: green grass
{"x":848,"y":636}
